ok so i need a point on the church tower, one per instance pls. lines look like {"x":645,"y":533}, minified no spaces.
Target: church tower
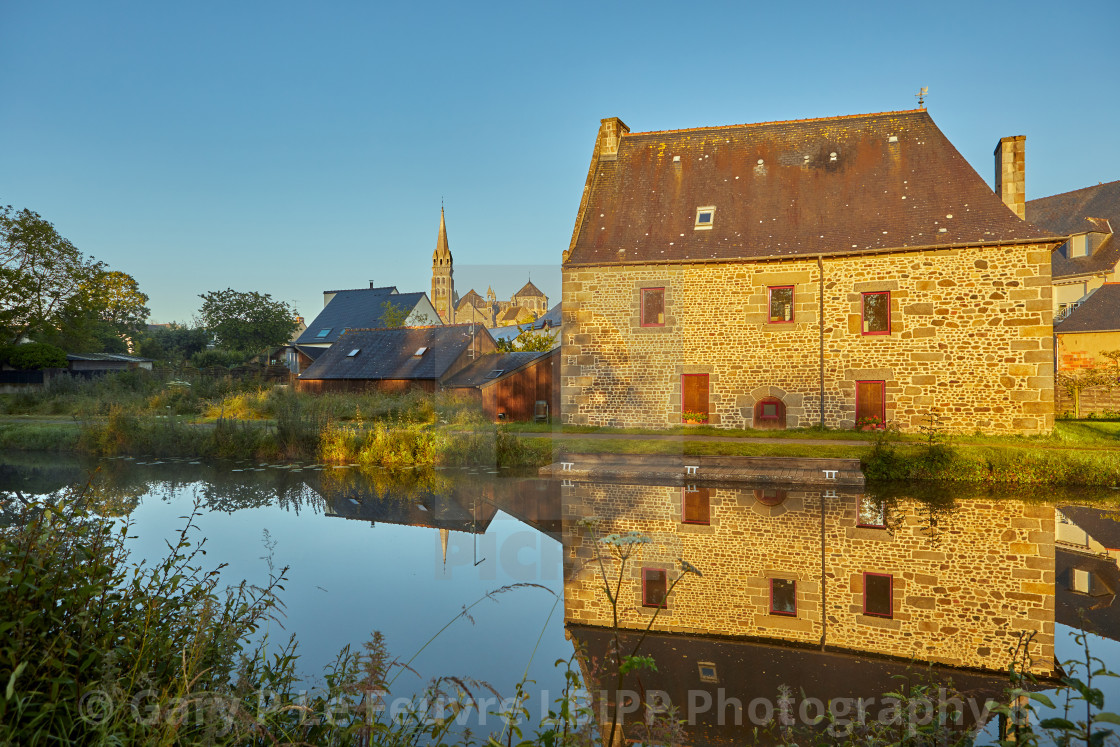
{"x":443,"y":283}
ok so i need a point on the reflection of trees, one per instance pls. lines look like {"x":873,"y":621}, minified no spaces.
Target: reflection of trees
{"x":110,"y":499}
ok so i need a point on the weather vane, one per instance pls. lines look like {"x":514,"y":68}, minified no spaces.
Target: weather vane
{"x":921,"y":96}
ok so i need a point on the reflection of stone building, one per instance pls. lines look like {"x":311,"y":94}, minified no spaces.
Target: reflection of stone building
{"x":524,"y":306}
{"x":824,"y":568}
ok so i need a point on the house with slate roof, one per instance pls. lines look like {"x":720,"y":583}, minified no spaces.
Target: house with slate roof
{"x":365,"y":308}
{"x":829,"y":271}
{"x":521,"y":385}
{"x":1089,"y":257}
{"x":396,"y":360}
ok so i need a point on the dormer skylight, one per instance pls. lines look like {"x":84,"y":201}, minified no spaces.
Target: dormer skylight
{"x":323,"y":333}
{"x":419,"y":352}
{"x":353,"y":352}
{"x":705,"y":217}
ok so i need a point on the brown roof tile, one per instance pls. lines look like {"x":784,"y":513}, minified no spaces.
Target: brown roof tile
{"x":825,"y":186}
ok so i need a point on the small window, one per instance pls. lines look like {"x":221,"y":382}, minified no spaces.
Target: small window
{"x":872,"y":514}
{"x":781,"y":304}
{"x":696,"y":508}
{"x":323,"y":332}
{"x":705,"y":217}
{"x":419,"y":352}
{"x":495,"y":373}
{"x":353,"y":352}
{"x":771,"y":496}
{"x":770,"y":412}
{"x":783,"y":597}
{"x":1079,"y":246}
{"x":707,"y":671}
{"x":653,"y":587}
{"x":877,"y":313}
{"x":877,"y":594}
{"x":653,"y":307}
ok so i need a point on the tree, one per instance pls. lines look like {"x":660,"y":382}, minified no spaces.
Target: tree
{"x":108,"y":314}
{"x":41,"y":275}
{"x":528,"y":340}
{"x":246,"y":322}
{"x":174,"y":343}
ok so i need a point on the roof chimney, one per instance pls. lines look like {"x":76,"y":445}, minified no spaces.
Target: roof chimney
{"x":1011,"y":173}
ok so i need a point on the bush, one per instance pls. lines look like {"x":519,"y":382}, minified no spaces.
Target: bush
{"x":35,"y":356}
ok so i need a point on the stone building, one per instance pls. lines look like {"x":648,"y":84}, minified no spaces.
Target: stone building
{"x":524,"y":306}
{"x":815,"y":271}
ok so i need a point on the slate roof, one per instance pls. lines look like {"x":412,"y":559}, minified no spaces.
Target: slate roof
{"x":1068,"y":212}
{"x":478,"y":372}
{"x":391,"y":353}
{"x":1100,"y":312}
{"x":528,"y":290}
{"x":473,"y":299}
{"x":355,"y":309}
{"x":1080,"y":211}
{"x":112,"y":357}
{"x":551,"y":319}
{"x":806,"y":187}
{"x":506,"y":333}
{"x":1102,"y":523}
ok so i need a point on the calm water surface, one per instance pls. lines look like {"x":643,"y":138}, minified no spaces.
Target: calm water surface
{"x":829,"y":592}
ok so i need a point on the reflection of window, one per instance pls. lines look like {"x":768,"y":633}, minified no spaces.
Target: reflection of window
{"x":653,"y":307}
{"x":877,"y":313}
{"x":697,"y":509}
{"x":877,"y":594}
{"x":770,"y":496}
{"x":783,"y":597}
{"x":781,"y":304}
{"x":653,"y":587}
{"x":707,"y":671}
{"x":871,"y":513}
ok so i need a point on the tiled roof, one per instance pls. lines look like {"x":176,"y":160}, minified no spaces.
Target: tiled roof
{"x":391,"y":353}
{"x":829,"y":186}
{"x":492,"y":367}
{"x":1100,"y":312}
{"x":355,"y":309}
{"x":528,"y":290}
{"x":1068,"y":212}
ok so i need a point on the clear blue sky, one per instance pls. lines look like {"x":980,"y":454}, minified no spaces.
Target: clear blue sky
{"x":291,"y":147}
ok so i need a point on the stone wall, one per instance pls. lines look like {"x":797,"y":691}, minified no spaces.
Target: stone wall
{"x":965,"y":582}
{"x":970,"y":339}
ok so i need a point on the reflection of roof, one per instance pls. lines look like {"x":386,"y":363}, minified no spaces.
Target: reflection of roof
{"x":840,"y":185}
{"x":362,"y":308}
{"x":491,"y":368}
{"x":748,"y":670}
{"x":1100,"y":312}
{"x":1102,"y":524}
{"x":1070,"y":212}
{"x":438,"y":511}
{"x":1097,"y":611}
{"x":400,"y":353}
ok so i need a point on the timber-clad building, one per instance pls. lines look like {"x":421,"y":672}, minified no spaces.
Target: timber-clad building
{"x":816,"y":271}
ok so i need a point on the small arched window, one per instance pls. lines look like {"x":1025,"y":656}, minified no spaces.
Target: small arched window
{"x":770,"y":413}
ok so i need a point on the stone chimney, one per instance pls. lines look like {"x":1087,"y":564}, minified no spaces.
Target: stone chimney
{"x":1011,"y":173}
{"x":611,"y":131}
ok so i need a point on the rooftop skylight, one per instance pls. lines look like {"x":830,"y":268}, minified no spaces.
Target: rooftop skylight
{"x":323,"y":332}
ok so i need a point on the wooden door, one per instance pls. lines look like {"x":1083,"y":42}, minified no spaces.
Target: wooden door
{"x":871,"y":400}
{"x":694,"y":394}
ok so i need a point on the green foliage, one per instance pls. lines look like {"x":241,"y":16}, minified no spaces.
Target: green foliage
{"x":34,"y":356}
{"x":248,"y":322}
{"x":393,"y":316}
{"x":174,"y":344}
{"x":105,"y":316}
{"x":42,"y":275}
{"x":219,"y":358}
{"x":528,"y":340}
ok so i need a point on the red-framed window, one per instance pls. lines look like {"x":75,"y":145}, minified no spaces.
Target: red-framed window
{"x":653,"y":307}
{"x":878,"y":594}
{"x":770,"y":413}
{"x":696,"y":505}
{"x":694,"y":397}
{"x":781,"y":304}
{"x":783,"y":597}
{"x":654,"y":586}
{"x":877,"y":313}
{"x":871,"y":402}
{"x":871,"y":513}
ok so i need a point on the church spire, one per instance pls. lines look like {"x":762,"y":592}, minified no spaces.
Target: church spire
{"x":442,"y":251}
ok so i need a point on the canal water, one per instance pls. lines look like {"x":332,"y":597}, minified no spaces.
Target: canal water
{"x":833,"y":594}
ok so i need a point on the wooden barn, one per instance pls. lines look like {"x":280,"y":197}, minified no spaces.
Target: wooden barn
{"x":396,"y":360}
{"x":513,"y":386}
